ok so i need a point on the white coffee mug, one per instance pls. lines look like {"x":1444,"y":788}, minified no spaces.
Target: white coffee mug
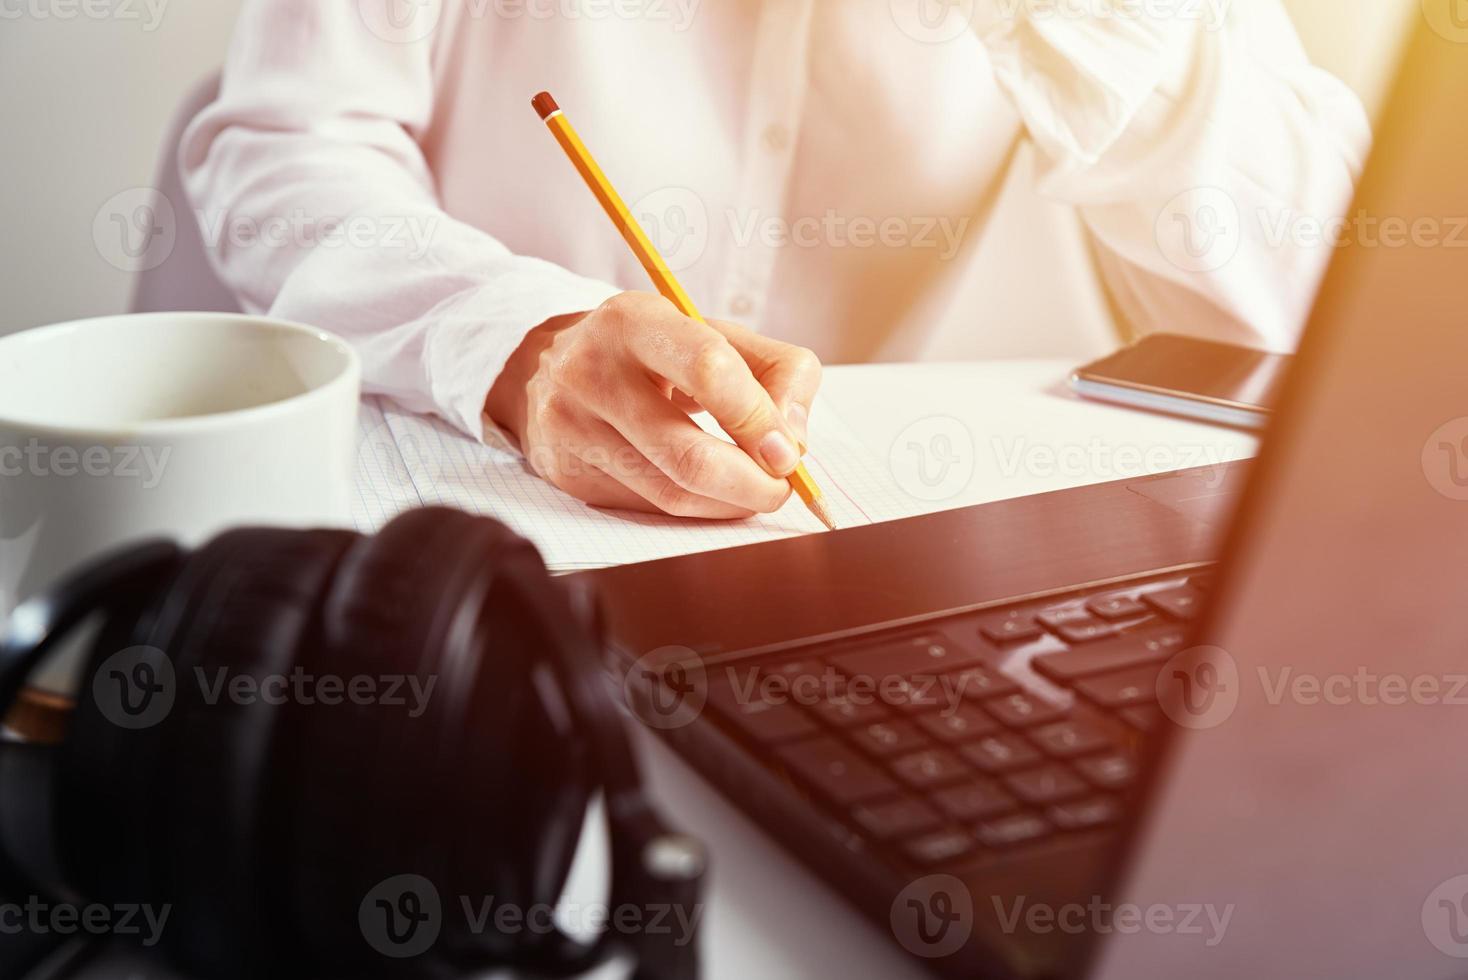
{"x":174,"y":424}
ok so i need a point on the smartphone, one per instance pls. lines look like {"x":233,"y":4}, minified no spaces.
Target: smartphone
{"x":1188,"y":377}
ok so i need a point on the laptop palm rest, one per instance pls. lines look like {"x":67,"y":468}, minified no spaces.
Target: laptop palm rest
{"x":1209,"y":495}
{"x":780,"y":594}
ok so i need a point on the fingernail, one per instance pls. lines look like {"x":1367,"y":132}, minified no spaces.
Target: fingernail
{"x":779,"y":453}
{"x":799,"y":420}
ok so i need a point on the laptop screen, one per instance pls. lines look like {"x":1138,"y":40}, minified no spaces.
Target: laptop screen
{"x":1310,"y":803}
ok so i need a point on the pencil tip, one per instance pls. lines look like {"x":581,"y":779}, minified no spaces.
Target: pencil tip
{"x":818,"y":508}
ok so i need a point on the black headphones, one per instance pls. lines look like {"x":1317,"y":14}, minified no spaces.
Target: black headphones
{"x":338,"y":832}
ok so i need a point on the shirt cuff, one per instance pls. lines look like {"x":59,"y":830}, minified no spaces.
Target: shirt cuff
{"x":473,"y":335}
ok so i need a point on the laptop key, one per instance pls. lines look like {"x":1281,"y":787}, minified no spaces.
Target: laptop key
{"x":1136,"y":686}
{"x":1184,"y":603}
{"x":1048,"y":784}
{"x":790,"y":670}
{"x":889,"y":737}
{"x":975,"y":801}
{"x":1001,"y":752}
{"x":1164,"y":642}
{"x":1109,"y":770}
{"x":1054,"y":619}
{"x":1019,"y":828}
{"x":1009,"y":627}
{"x":1128,"y":650}
{"x":925,"y":655}
{"x":940,"y":848}
{"x":766,"y":721}
{"x":931,"y":767}
{"x":1117,"y":607}
{"x":1087,"y":632}
{"x":967,"y":721}
{"x":979,"y":682}
{"x":1085,"y":814}
{"x":835,"y":771}
{"x":898,"y":818}
{"x":843,"y":711}
{"x":922,"y":693}
{"x":1072,"y":737}
{"x":1021,"y":710}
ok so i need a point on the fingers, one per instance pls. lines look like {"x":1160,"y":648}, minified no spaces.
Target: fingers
{"x":593,"y":487}
{"x":655,"y":489}
{"x":601,"y":489}
{"x":693,"y":460}
{"x":698,"y":360}
{"x":684,"y":403}
{"x":587,"y":458}
{"x":791,"y":374}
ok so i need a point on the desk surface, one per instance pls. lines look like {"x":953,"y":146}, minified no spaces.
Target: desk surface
{"x":1018,"y":430}
{"x":983,"y":432}
{"x":1021,"y":428}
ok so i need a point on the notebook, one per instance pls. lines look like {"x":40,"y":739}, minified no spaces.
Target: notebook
{"x":405,"y":460}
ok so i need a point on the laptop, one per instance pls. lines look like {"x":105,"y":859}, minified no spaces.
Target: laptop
{"x":1208,"y":724}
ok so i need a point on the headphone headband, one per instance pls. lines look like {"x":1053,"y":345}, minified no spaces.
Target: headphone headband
{"x":648,"y":860}
{"x":39,"y":623}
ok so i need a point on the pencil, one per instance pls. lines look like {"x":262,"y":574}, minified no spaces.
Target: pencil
{"x":657,"y":269}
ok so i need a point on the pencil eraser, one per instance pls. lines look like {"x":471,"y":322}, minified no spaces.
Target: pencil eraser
{"x":545,"y":105}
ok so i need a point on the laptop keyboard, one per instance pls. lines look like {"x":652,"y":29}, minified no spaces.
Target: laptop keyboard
{"x":973,"y":737}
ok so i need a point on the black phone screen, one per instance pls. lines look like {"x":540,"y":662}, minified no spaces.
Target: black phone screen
{"x":1199,"y":369}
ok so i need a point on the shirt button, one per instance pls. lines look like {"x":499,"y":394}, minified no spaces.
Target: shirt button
{"x":741,"y":306}
{"x":777,"y":137}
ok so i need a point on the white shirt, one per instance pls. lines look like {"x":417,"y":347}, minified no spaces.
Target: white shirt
{"x":843,"y":174}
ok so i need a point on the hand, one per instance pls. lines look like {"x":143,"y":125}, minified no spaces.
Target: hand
{"x":600,"y":403}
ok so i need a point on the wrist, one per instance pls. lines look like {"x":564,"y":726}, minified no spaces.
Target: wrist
{"x":507,"y":403}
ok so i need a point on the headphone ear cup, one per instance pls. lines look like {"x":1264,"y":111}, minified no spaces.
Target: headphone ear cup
{"x":224,"y":793}
{"x":404,"y":809}
{"x":524,"y":735}
{"x":369,"y":772}
{"x":27,"y":785}
{"x":106,"y":787}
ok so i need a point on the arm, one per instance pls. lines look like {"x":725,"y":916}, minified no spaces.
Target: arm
{"x":318,"y":122}
{"x":1188,"y":143}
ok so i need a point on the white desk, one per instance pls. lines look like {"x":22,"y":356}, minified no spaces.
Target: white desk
{"x":766,"y":916}
{"x":1027,"y":433}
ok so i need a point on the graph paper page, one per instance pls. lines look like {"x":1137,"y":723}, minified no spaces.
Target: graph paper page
{"x":406,"y":460}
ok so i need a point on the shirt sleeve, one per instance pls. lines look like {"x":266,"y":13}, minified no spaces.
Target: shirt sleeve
{"x":318,"y":205}
{"x":1202,"y":149}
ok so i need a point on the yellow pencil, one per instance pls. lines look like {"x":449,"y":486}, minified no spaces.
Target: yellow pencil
{"x":805,"y":487}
